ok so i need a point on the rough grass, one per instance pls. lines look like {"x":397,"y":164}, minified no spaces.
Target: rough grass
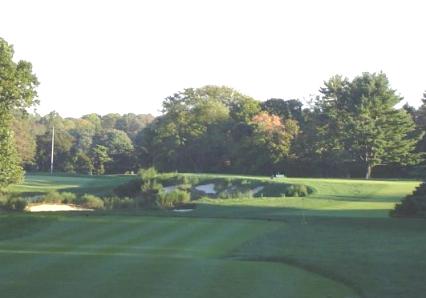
{"x":338,"y":242}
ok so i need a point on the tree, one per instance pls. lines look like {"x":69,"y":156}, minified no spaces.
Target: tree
{"x":17,"y":92}
{"x":131,"y":124}
{"x":286,"y":109}
{"x":109,"y":120}
{"x":268,"y":144}
{"x":62,"y":151}
{"x":119,"y":148}
{"x":83,"y":132}
{"x":95,"y":119}
{"x":100,"y":157}
{"x":25,"y":138}
{"x":83,"y":164}
{"x":363,"y":121}
{"x":193,"y":134}
{"x":420,"y":118}
{"x":412,"y":205}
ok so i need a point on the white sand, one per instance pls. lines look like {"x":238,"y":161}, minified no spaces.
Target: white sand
{"x":54,"y":207}
{"x":257,"y":189}
{"x":206,"y":188}
{"x":183,"y":210}
{"x":170,"y":188}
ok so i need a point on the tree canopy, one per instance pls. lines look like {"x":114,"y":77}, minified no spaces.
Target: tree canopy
{"x":350,"y":129}
{"x":17,"y":92}
{"x":364,"y":123}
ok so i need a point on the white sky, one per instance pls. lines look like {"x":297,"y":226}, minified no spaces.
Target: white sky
{"x":126,"y":56}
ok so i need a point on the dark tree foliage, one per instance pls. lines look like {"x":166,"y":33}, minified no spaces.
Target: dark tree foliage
{"x":413,"y":205}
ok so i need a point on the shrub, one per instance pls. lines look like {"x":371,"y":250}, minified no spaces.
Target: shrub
{"x":297,"y":190}
{"x":129,"y":189}
{"x":68,"y":197}
{"x":90,"y":201}
{"x":52,"y":196}
{"x":235,"y":194}
{"x":150,"y":190}
{"x":173,"y":199}
{"x":13,"y":204}
{"x":284,"y":190}
{"x":148,"y":174}
{"x":197,"y":194}
{"x":413,"y":205}
{"x":113,"y":203}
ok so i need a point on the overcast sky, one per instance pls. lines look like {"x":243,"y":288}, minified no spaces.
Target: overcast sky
{"x":126,"y":56}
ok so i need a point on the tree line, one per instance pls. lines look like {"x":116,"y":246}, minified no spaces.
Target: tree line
{"x":353,"y":128}
{"x":91,"y":144}
{"x":348,"y":131}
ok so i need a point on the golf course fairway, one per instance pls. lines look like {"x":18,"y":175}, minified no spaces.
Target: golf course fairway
{"x":337,"y":242}
{"x":116,"y":256}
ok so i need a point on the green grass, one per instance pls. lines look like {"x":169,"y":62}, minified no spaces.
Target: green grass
{"x":338,"y":242}
{"x":41,"y":183}
{"x":124,"y":256}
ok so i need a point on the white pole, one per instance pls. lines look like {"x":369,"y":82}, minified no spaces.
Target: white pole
{"x":51,"y":155}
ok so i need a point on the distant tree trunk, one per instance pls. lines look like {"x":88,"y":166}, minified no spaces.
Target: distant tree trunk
{"x":368,"y":174}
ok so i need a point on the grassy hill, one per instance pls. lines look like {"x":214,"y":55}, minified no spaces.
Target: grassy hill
{"x":338,"y":242}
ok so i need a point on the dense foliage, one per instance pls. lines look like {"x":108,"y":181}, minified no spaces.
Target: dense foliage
{"x":413,"y":204}
{"x":352,"y":128}
{"x":91,"y":144}
{"x":17,"y":92}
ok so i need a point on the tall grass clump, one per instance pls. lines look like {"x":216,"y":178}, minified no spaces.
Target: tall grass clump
{"x":54,"y":197}
{"x":173,"y":199}
{"x":90,"y":201}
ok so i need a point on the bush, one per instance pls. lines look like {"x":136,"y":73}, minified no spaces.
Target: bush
{"x":148,"y":174}
{"x":297,"y":190}
{"x":90,"y":201}
{"x":13,"y":204}
{"x":68,"y":197}
{"x":113,"y":203}
{"x":413,"y":205}
{"x":284,"y":190}
{"x":54,"y":197}
{"x":150,"y":190}
{"x":129,"y":189}
{"x":173,"y":199}
{"x":235,"y":194}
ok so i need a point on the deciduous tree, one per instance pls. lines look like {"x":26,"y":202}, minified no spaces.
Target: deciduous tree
{"x":17,"y":92}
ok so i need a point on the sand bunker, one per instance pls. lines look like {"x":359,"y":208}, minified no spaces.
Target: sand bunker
{"x":171,"y":188}
{"x":257,"y":189}
{"x":55,"y":207}
{"x":206,"y":188}
{"x":183,"y":210}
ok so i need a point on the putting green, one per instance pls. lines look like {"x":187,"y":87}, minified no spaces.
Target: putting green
{"x":134,"y":256}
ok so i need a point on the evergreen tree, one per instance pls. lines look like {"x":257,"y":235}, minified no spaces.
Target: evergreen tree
{"x":413,"y":205}
{"x":363,"y":119}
